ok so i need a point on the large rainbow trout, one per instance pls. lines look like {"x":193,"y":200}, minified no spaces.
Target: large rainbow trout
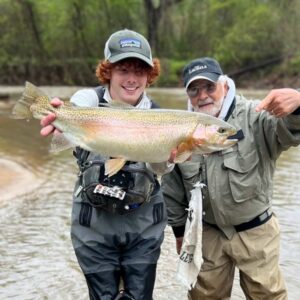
{"x":127,"y":133}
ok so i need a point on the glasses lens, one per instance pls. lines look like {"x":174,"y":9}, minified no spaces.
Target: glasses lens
{"x":209,"y":88}
{"x":193,"y":91}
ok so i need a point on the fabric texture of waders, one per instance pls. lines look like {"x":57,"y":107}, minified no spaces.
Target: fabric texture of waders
{"x":110,"y":246}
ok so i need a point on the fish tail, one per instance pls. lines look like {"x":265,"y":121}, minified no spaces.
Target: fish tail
{"x":31,"y":95}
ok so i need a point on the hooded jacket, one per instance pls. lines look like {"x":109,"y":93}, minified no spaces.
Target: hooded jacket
{"x":239,"y":180}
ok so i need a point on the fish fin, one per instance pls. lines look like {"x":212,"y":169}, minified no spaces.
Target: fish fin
{"x":113,"y":165}
{"x":21,"y":109}
{"x":60,"y":143}
{"x":184,"y":152}
{"x":118,"y":104}
{"x":183,"y":156}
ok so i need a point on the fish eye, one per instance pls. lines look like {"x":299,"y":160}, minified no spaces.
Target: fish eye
{"x":222,"y":130}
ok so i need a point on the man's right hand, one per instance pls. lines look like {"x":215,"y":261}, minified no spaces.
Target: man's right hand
{"x":46,"y":122}
{"x":179,"y":244}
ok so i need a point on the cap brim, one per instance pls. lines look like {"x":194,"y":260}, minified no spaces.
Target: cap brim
{"x":121,"y":56}
{"x":213,"y":77}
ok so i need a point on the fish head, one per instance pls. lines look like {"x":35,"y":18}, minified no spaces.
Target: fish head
{"x":213,"y":137}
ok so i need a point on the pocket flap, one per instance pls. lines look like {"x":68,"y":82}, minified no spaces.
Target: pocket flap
{"x":242,"y":164}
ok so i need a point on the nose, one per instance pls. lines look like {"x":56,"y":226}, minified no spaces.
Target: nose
{"x":202,"y":95}
{"x":131,"y":76}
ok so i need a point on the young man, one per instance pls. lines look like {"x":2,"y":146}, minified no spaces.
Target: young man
{"x":115,"y":238}
{"x":239,"y":228}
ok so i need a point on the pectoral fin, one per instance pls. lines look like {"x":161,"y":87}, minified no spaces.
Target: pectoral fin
{"x":59,"y":143}
{"x":181,"y":157}
{"x":112,"y":166}
{"x":184,"y":151}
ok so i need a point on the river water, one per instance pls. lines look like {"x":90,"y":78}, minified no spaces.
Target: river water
{"x":36,"y":256}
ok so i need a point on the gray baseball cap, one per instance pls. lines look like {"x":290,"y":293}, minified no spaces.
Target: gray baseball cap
{"x":126,"y":44}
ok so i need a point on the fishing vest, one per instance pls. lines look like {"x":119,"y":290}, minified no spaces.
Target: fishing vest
{"x":121,"y":193}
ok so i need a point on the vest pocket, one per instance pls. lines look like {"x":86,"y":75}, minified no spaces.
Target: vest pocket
{"x":85,"y":214}
{"x":158,"y":213}
{"x":243,"y":176}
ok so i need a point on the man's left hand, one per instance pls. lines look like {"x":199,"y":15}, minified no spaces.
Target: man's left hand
{"x":280,"y":102}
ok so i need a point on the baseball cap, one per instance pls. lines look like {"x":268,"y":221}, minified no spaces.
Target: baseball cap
{"x":126,"y":44}
{"x":201,"y":68}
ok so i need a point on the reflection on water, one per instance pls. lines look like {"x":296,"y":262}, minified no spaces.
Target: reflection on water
{"x":36,"y":257}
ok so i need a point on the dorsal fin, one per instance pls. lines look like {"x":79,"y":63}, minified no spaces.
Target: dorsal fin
{"x":117,"y":104}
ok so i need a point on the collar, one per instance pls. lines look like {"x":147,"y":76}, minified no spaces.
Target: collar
{"x":228,"y":100}
{"x":230,"y":110}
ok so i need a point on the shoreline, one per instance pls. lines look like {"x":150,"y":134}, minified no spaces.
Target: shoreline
{"x":15,"y":180}
{"x":11,"y":93}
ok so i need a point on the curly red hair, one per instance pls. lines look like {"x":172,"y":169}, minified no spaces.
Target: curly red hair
{"x":104,"y":67}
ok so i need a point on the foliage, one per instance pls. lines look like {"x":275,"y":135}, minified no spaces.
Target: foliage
{"x":60,"y":42}
{"x":171,"y":72}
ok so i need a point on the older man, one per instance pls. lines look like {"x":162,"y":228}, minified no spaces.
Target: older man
{"x":239,"y":227}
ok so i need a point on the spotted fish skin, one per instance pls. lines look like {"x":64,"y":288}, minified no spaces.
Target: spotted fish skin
{"x":128,"y":133}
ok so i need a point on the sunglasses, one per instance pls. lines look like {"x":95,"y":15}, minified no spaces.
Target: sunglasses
{"x":209,"y":88}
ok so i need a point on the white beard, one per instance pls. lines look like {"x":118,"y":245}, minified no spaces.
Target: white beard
{"x":214,"y":110}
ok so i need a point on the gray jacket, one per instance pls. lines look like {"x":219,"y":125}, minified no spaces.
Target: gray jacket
{"x":239,"y":179}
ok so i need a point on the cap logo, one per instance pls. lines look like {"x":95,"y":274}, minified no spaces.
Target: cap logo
{"x":197,"y":68}
{"x":134,"y":43}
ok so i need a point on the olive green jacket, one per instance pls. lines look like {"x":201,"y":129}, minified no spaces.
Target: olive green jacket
{"x":239,"y":180}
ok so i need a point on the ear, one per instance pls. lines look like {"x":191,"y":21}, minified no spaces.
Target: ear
{"x":226,"y":87}
{"x":148,"y":80}
{"x":108,"y":74}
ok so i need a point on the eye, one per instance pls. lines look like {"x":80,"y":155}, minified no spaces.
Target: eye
{"x":210,"y":87}
{"x":193,"y":91}
{"x":139,"y":72}
{"x":222,"y":130}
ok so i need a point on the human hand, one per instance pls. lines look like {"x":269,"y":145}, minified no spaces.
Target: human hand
{"x":179,"y":242}
{"x":172,"y":155}
{"x":280,"y":102}
{"x":46,"y":122}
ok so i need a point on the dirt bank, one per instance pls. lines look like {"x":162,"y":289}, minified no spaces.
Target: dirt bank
{"x":15,"y":180}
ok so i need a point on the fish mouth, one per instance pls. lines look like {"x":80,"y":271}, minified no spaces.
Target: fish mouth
{"x":232,"y":131}
{"x":230,"y":142}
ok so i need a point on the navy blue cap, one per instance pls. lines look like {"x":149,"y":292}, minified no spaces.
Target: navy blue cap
{"x":202,"y":68}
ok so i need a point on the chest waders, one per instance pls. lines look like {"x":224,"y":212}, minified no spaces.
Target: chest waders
{"x":114,"y":236}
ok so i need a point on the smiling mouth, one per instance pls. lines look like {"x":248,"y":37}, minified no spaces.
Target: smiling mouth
{"x":200,"y":105}
{"x":130,"y":89}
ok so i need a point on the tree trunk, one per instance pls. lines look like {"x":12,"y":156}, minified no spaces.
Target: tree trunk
{"x":154,"y":12}
{"x":30,"y":20}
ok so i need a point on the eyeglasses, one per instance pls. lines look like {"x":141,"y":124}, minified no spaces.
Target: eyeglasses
{"x":209,"y":88}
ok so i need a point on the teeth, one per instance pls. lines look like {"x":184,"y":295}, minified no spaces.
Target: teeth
{"x":130,"y":88}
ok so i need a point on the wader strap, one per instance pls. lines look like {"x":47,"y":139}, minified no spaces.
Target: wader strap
{"x":154,"y":104}
{"x":100,"y":90}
